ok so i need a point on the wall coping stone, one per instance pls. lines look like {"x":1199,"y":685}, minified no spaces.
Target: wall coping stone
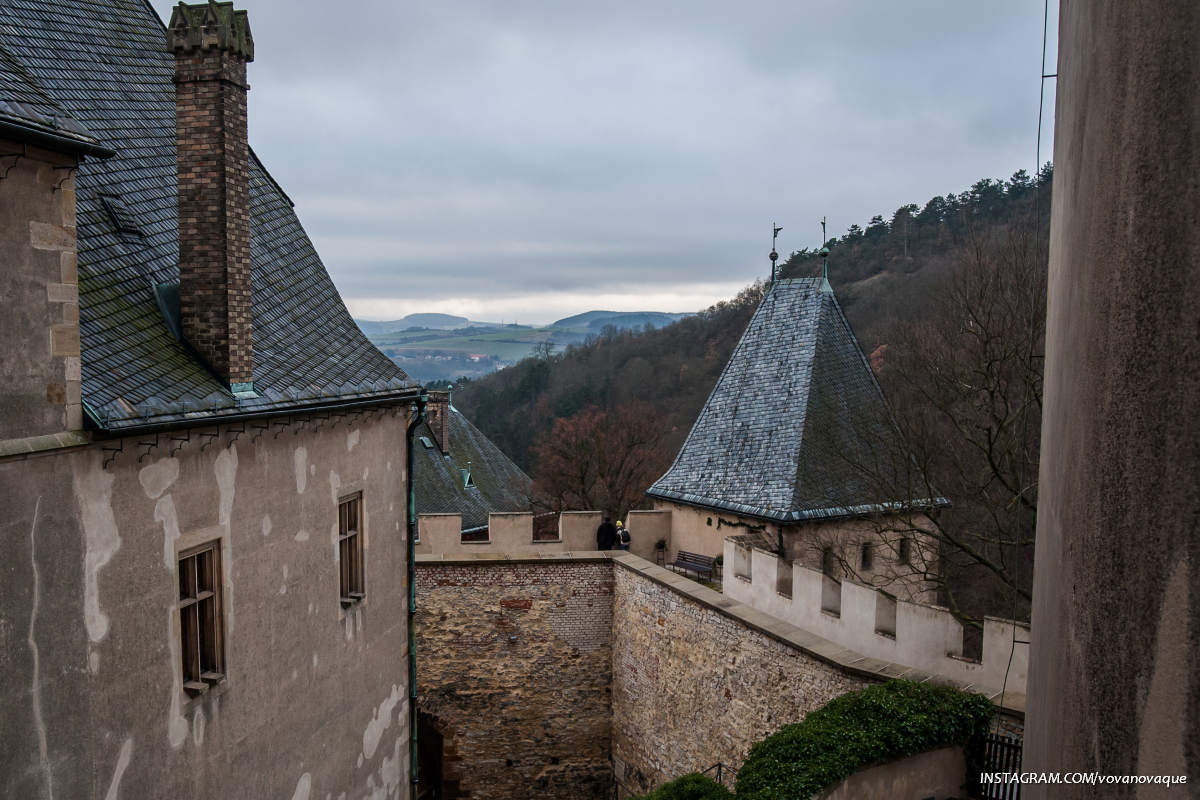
{"x":785,"y":633}
{"x":30,"y":445}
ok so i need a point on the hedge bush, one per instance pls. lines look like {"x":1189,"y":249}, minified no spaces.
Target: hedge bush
{"x":860,"y":729}
{"x":690,"y":787}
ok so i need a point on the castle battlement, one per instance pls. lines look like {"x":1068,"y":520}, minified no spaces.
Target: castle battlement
{"x":876,"y":624}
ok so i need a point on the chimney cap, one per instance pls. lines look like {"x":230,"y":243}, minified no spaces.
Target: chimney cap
{"x":210,"y":25}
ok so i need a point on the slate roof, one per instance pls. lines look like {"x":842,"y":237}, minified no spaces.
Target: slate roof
{"x":793,"y":421}
{"x":498,"y":484}
{"x":105,"y":63}
{"x":29,"y":114}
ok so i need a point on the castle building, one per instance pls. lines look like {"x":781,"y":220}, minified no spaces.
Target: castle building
{"x":795,"y":446}
{"x":202,"y":460}
{"x":457,"y":470}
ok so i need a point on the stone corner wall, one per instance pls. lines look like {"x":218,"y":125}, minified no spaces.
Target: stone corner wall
{"x":514,"y":673}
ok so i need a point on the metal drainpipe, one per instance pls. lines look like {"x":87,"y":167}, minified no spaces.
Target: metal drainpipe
{"x":411,"y":519}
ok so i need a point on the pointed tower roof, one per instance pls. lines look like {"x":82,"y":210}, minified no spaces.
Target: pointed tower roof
{"x":796,"y":427}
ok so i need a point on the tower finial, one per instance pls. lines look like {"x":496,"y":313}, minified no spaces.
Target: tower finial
{"x":774,"y":256}
{"x":825,"y":285}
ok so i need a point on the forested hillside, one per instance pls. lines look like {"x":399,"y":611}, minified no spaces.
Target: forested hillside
{"x":947,"y":299}
{"x":883,"y":274}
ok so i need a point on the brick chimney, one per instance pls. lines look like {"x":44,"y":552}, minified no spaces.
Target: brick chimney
{"x":437,"y":416}
{"x":212,"y":45}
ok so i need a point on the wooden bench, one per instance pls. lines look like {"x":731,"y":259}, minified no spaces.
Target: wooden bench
{"x":694,"y":562}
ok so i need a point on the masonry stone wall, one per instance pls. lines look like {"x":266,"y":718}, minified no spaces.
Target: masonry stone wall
{"x":39,"y":329}
{"x":515,"y":673}
{"x":693,"y":686}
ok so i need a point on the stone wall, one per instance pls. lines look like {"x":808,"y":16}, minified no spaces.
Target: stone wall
{"x":694,"y":685}
{"x":515,"y":673}
{"x":514,"y":653}
{"x":39,"y":329}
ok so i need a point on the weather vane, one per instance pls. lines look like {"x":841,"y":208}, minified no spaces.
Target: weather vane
{"x":774,"y":256}
{"x":824,"y":255}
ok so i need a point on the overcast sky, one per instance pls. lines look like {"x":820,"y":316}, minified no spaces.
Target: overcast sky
{"x":515,"y":160}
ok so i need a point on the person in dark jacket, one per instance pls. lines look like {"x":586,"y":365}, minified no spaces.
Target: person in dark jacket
{"x":606,"y":535}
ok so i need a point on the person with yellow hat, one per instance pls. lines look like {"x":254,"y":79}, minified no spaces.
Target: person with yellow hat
{"x":623,"y":537}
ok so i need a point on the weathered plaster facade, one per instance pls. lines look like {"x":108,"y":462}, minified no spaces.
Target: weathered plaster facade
{"x":313,"y":702}
{"x":704,"y":530}
{"x":877,"y":624}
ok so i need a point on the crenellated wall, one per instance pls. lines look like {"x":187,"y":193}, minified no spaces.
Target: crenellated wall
{"x":876,"y":624}
{"x":513,"y":533}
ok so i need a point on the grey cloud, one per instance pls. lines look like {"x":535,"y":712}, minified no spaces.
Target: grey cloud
{"x":523,"y":145}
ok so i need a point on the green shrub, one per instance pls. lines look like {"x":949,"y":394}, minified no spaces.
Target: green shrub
{"x":690,"y":787}
{"x":857,"y":730}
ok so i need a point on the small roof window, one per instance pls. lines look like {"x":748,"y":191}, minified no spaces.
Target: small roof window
{"x":425,"y":441}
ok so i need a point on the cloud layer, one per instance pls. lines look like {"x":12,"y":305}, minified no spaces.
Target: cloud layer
{"x":533,"y":157}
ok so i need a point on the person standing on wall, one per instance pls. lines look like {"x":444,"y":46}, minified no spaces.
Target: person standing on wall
{"x":623,"y":537}
{"x":606,"y":535}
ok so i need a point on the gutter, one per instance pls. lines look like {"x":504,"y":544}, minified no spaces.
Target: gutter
{"x":411,"y":565}
{"x":828,"y":513}
{"x":62,"y":143}
{"x":206,"y":419}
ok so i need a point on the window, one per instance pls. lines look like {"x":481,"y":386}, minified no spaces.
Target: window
{"x":350,"y":550}
{"x":201,"y":632}
{"x":829,"y":565}
{"x":868,"y":556}
{"x":905,"y":550}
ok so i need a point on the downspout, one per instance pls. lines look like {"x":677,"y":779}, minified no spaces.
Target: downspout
{"x":411,"y":519}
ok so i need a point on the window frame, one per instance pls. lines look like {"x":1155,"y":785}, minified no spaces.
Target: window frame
{"x":352,"y":583}
{"x":201,"y":633}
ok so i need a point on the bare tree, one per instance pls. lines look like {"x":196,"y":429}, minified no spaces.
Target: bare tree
{"x":599,"y":459}
{"x":963,"y":380}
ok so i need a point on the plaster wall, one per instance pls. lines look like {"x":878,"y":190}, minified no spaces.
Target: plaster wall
{"x":314,"y":699}
{"x":937,"y":775}
{"x":1114,"y":685}
{"x":879,"y":626}
{"x":646,"y":528}
{"x":39,"y":330}
{"x":699,"y":530}
{"x":513,"y":533}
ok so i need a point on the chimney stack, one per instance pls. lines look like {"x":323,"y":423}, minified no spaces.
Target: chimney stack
{"x":212,"y":45}
{"x":437,"y":416}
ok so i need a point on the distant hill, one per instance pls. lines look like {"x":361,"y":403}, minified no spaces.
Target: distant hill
{"x":437,"y":322}
{"x":622,"y":320}
{"x":441,"y":347}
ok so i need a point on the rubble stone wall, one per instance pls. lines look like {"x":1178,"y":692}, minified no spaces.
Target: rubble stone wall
{"x":515,"y":672}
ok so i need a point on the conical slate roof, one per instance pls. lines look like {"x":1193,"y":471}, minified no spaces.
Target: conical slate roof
{"x":796,"y":427}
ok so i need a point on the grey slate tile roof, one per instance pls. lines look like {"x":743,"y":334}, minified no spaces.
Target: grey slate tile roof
{"x":104,"y":62}
{"x":28,"y":112}
{"x":499,"y":484}
{"x":793,"y":420}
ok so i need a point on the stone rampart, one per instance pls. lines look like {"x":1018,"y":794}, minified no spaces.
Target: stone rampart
{"x":878,"y":625}
{"x":553,"y":675}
